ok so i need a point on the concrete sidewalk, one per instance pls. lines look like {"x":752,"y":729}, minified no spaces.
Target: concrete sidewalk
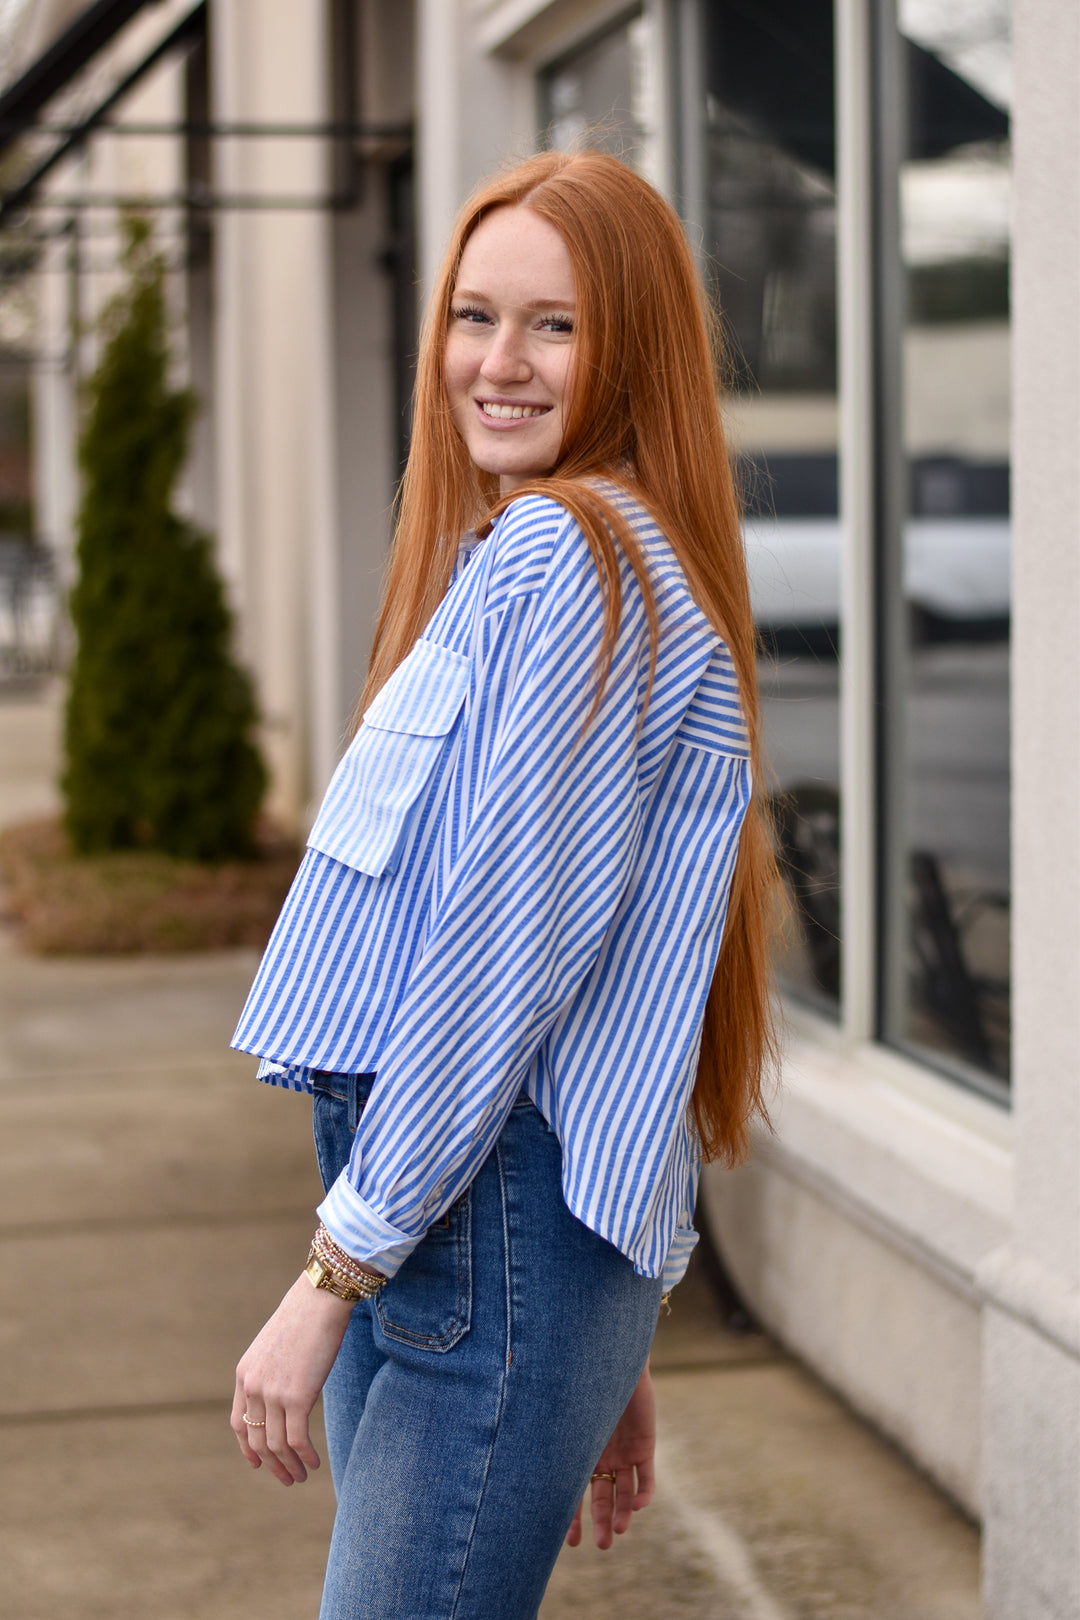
{"x":135,"y":1154}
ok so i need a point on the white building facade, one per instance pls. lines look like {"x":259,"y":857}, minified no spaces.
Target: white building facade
{"x":885,"y":195}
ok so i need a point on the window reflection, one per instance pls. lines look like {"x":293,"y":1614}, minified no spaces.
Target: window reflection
{"x":948,"y":778}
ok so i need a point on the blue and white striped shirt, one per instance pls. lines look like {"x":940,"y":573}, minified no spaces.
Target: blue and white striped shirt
{"x":494,"y":899}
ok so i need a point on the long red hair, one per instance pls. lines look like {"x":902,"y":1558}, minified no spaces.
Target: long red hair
{"x":644,"y":411}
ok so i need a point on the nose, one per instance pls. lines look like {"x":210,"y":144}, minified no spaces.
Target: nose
{"x":507,"y":358}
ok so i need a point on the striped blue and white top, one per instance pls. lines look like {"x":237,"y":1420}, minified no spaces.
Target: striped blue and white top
{"x":494,"y":898}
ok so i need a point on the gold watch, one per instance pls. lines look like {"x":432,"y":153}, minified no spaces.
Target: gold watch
{"x":321,"y":1275}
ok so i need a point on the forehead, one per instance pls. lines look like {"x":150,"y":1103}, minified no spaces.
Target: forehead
{"x":515,"y":256}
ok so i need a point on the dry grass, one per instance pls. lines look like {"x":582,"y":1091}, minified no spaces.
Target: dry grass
{"x":137,"y":900}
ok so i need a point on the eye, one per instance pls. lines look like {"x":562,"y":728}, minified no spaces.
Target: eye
{"x":470,"y":313}
{"x":557,"y":323}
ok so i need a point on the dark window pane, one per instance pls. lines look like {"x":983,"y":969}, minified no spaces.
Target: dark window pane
{"x":769,"y":212}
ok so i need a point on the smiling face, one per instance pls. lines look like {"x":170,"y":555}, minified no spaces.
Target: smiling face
{"x":510,"y":344}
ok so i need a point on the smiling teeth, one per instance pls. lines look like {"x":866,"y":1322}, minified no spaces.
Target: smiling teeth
{"x":505,"y":411}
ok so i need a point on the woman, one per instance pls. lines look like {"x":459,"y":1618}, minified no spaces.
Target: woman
{"x":500,"y":968}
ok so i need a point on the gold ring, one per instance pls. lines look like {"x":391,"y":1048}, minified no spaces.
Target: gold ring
{"x":254,"y":1423}
{"x":602,"y":1476}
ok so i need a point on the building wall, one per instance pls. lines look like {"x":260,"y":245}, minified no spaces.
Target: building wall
{"x":915,"y":1243}
{"x":856,"y":1234}
{"x":1031,"y":1287}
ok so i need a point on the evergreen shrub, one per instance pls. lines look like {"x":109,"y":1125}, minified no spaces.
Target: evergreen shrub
{"x":159,"y":743}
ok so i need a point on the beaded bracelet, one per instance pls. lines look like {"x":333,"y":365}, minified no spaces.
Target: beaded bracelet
{"x":344,"y":1265}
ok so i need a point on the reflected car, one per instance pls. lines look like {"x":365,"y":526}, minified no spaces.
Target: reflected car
{"x":956,"y":579}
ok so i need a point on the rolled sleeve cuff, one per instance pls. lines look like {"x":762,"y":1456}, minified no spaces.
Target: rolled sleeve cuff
{"x":356,"y":1228}
{"x":678,"y":1257}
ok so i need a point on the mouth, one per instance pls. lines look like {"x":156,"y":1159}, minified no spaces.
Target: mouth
{"x":510,"y":411}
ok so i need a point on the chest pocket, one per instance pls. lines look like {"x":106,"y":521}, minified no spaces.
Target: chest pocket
{"x":364,"y":817}
{"x":714,"y":721}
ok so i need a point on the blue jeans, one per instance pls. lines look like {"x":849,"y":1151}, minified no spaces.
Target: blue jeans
{"x":470,"y":1401}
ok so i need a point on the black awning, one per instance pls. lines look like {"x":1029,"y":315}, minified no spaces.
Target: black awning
{"x":945,"y":110}
{"x":92,"y":30}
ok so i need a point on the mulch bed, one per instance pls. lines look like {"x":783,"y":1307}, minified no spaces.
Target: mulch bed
{"x":138,"y":900}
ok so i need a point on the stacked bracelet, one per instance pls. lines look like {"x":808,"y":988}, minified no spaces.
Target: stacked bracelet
{"x":338,"y":1259}
{"x":329,"y":1266}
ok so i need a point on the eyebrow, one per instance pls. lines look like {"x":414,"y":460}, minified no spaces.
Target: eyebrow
{"x":534,"y":304}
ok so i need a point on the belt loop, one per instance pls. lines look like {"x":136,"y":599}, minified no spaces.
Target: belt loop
{"x":354,"y":1099}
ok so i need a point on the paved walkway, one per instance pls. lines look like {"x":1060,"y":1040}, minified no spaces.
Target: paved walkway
{"x":135,"y":1154}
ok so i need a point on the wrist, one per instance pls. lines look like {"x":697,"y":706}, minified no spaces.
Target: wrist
{"x":321,"y":1302}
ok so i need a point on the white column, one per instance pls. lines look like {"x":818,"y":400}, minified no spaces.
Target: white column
{"x":438,"y":131}
{"x":53,"y":406}
{"x":225,"y":46}
{"x":1032,"y":1315}
{"x":274,"y":386}
{"x":326,"y":606}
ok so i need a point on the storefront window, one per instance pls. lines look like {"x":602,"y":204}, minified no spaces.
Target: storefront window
{"x":757,"y":184}
{"x":945,"y":532}
{"x":759,"y":152}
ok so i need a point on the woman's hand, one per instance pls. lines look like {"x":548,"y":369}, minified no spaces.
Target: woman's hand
{"x":629,"y":1456}
{"x":279,"y":1378}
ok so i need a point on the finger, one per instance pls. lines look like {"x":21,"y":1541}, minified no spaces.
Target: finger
{"x":646,"y":1485}
{"x":292,"y":1469}
{"x":242,"y":1430}
{"x":289,"y":1439}
{"x":624,"y":1500}
{"x":602,"y":1503}
{"x":261,"y":1421}
{"x":299,"y":1438}
{"x":573,"y":1535}
{"x":281,"y":1472}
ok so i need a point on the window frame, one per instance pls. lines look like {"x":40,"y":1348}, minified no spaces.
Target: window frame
{"x":874,"y":44}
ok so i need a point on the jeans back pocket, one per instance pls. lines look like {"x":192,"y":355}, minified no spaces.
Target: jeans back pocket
{"x":428,"y":1303}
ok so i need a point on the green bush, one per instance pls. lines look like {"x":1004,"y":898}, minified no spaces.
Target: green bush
{"x":158,"y":730}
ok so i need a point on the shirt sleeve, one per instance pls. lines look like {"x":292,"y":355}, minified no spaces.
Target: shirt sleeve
{"x":547,"y":853}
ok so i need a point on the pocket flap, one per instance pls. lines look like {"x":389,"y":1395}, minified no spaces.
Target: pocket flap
{"x":424,"y":694}
{"x":365,"y":817}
